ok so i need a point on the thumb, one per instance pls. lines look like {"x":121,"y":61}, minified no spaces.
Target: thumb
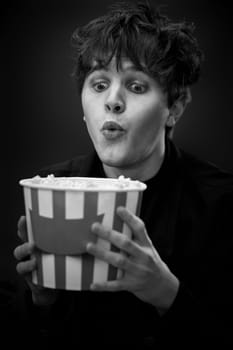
{"x":22,"y":229}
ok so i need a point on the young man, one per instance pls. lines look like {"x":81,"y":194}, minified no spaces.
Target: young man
{"x":134,"y":71}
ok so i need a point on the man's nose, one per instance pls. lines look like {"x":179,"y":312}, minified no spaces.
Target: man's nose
{"x":115,"y":103}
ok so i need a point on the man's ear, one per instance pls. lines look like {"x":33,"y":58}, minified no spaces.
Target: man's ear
{"x":175,"y":112}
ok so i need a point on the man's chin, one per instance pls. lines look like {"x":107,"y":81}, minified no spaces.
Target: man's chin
{"x":115,"y":162}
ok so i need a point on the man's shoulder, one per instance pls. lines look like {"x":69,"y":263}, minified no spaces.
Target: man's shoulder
{"x":206,"y":175}
{"x":67,"y":168}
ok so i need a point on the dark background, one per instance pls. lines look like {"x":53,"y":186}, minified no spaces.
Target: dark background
{"x":41,"y":107}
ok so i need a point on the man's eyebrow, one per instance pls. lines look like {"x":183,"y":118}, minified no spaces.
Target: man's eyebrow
{"x":99,"y":67}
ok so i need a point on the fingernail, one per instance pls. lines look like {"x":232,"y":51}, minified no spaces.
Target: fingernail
{"x":95,"y":226}
{"x":121,"y":209}
{"x":89,"y":245}
{"x":92,"y":286}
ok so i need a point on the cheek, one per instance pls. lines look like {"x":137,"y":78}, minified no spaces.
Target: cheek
{"x":90,"y":110}
{"x":154,"y":119}
{"x":86,"y":103}
{"x":92,"y":107}
{"x":92,"y":127}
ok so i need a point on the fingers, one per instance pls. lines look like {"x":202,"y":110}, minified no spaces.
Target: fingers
{"x":22,"y":228}
{"x":116,"y":259}
{"x":135,"y":224}
{"x":25,"y":267}
{"x":23,"y":251}
{"x":26,"y":263}
{"x":110,"y":286}
{"x":118,"y":239}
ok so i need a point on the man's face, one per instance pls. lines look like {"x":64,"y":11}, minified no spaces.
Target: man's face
{"x":126,"y":113}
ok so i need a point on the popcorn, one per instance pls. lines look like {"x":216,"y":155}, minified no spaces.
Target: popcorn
{"x":83,"y":183}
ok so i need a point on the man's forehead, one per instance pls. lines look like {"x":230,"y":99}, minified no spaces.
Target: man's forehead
{"x":124,"y":64}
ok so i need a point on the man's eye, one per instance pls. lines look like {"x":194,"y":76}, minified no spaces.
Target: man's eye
{"x":138,"y":88}
{"x":100,"y":86}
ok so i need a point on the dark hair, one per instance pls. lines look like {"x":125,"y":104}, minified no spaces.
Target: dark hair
{"x":165,"y":50}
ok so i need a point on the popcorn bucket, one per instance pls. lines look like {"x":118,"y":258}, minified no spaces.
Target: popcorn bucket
{"x":59,"y":214}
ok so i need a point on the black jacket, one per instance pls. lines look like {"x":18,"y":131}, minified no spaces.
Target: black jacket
{"x":187,"y":209}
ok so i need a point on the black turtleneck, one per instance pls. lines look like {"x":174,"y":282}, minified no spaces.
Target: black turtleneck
{"x":187,"y":209}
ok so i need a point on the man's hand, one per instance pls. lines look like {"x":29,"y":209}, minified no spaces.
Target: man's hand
{"x":25,"y":254}
{"x":144,"y":273}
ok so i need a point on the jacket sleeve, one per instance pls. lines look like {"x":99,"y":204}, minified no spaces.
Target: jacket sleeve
{"x":203,"y":308}
{"x":191,"y":325}
{"x":21,"y":319}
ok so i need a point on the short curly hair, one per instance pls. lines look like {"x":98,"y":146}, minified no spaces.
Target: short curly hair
{"x":165,"y":50}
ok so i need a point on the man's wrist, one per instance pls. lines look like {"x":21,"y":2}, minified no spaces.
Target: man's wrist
{"x":168,"y":295}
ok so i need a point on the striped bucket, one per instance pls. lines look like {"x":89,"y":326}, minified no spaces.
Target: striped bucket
{"x":58,"y":222}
